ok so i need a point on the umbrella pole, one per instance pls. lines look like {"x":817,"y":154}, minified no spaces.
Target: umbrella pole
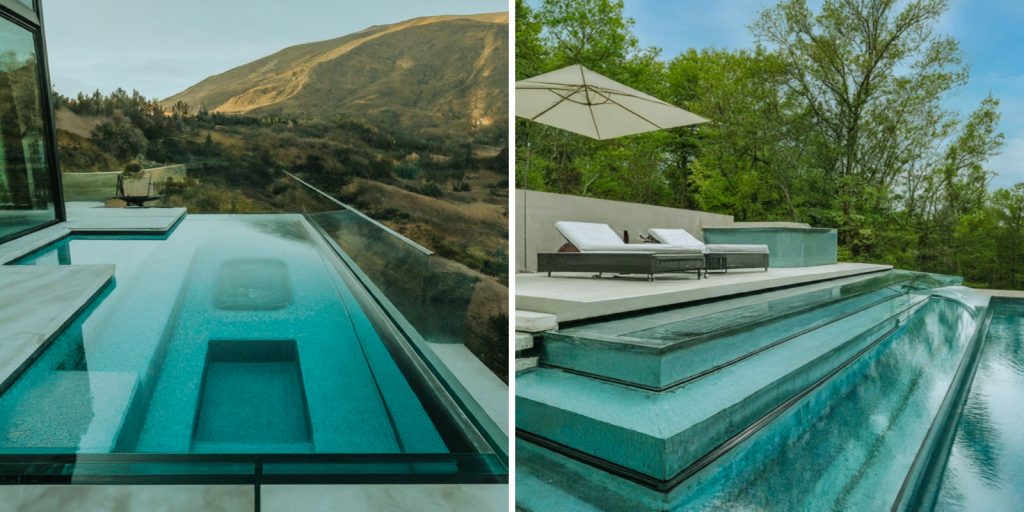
{"x":528,"y":154}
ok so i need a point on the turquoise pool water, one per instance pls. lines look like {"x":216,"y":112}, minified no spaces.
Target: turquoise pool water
{"x":850,"y":443}
{"x":985,"y":470}
{"x":235,"y":334}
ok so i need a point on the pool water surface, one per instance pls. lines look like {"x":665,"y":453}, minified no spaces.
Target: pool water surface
{"x":235,"y":334}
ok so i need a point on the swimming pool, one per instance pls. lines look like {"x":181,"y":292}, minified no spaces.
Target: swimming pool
{"x":829,"y":396}
{"x":235,"y":343}
{"x":985,"y":468}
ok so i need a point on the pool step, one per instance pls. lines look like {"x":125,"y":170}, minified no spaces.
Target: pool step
{"x":661,"y":350}
{"x":655,"y":435}
{"x":68,"y":412}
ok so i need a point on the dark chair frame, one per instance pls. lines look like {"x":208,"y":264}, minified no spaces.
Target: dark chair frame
{"x":139,"y":201}
{"x":644,"y":263}
{"x":723,"y":261}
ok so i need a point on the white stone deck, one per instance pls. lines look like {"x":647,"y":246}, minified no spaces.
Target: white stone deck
{"x":580,"y":296}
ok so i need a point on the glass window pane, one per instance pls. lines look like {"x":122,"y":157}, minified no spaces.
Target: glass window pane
{"x":26,"y":198}
{"x":28,"y":3}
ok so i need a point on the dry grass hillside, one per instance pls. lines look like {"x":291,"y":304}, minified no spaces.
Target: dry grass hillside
{"x":439,"y":69}
{"x":75,"y":124}
{"x":473,"y":223}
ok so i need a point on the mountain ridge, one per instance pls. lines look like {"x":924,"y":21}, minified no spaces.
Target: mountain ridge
{"x":448,"y":67}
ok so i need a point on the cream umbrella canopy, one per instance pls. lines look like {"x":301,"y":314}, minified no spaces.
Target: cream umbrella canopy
{"x":581,"y":101}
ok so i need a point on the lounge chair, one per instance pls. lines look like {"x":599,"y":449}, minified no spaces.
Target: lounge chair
{"x":718,"y":256}
{"x":136,"y":191}
{"x":602,"y":251}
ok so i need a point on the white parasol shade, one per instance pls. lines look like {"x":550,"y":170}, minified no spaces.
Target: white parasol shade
{"x":581,"y":101}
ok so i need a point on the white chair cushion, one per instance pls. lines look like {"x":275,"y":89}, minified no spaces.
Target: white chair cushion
{"x":676,"y":237}
{"x":592,"y":237}
{"x":588,"y":236}
{"x":667,"y":248}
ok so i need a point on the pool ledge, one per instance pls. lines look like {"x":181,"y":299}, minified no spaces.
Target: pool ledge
{"x":1005,"y":294}
{"x":37,"y":302}
{"x":572,"y":297}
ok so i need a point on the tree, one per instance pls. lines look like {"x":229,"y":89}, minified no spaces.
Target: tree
{"x":120,"y":138}
{"x":1009,"y":213}
{"x":872,"y":77}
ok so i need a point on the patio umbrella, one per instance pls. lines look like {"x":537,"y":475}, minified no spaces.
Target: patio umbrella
{"x":581,"y":101}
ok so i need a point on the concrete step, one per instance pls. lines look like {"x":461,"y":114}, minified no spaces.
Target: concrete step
{"x":524,"y":341}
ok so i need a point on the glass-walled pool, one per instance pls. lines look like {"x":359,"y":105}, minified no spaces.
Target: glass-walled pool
{"x":236,"y":346}
{"x":838,"y":395}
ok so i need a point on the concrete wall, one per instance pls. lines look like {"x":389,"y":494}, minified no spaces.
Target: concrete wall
{"x":537,"y":212}
{"x":100,"y":186}
{"x":768,"y":225}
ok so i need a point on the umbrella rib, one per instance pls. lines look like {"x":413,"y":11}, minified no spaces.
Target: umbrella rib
{"x":590,"y":107}
{"x":557,"y":103}
{"x":627,"y":109}
{"x":556,"y":85}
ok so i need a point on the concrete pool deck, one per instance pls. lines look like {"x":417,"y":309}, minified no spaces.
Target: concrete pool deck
{"x":572,"y":297}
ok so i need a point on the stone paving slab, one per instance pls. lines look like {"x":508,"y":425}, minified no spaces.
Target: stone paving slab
{"x":36,"y":302}
{"x":532,"y":322}
{"x":396,"y":498}
{"x":91,"y":217}
{"x":127,"y":498}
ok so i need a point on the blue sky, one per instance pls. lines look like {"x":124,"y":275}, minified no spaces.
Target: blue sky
{"x":989,"y":32}
{"x":160,"y":47}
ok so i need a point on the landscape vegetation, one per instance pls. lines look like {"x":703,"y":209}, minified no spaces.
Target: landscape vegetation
{"x":407,"y":122}
{"x":835,"y":119}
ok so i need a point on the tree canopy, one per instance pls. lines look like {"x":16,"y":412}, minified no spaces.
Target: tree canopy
{"x":835,"y":117}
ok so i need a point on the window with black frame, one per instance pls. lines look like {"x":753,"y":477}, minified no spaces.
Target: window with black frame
{"x":28,"y":198}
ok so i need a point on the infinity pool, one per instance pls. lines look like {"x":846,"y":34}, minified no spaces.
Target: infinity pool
{"x":235,"y":334}
{"x":838,"y":395}
{"x":985,"y":470}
